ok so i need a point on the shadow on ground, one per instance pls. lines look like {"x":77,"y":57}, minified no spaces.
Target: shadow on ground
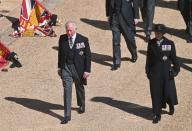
{"x":105,"y":59}
{"x":101,"y":58}
{"x":104,"y":25}
{"x":167,"y":4}
{"x":38,"y":105}
{"x":4,"y":11}
{"x":180,"y":33}
{"x":13,"y":20}
{"x":135,"y":109}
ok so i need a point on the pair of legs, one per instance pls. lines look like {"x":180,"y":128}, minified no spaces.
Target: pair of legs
{"x":147,"y":12}
{"x":69,"y":75}
{"x":120,"y":26}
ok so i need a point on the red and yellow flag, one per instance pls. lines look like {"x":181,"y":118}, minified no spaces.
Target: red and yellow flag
{"x":4,"y":52}
{"x":34,"y":19}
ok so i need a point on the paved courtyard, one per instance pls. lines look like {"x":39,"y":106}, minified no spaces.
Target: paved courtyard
{"x":31,"y":97}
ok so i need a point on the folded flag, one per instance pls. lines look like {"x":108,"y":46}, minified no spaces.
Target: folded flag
{"x":4,"y":52}
{"x":7,"y":56}
{"x":35,"y":20}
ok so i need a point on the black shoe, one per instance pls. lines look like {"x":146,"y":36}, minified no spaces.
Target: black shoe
{"x":189,"y":40}
{"x":65,"y":120}
{"x":171,"y":110}
{"x":81,"y":109}
{"x":156,"y":118}
{"x":134,"y":58}
{"x":115,"y":67}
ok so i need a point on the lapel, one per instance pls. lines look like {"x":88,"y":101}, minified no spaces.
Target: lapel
{"x":156,"y":50}
{"x":67,"y":43}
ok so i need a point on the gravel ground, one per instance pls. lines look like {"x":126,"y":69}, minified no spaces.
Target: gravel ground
{"x":31,"y":96}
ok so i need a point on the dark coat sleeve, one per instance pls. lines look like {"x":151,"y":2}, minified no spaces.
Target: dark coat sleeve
{"x":148,"y":59}
{"x":59,"y":52}
{"x":87,"y":56}
{"x":175,"y":61}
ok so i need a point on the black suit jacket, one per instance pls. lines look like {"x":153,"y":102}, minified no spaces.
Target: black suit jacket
{"x":129,"y":8}
{"x":82,"y":54}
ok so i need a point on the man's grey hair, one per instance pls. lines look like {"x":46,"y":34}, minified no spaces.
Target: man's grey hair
{"x":71,"y":22}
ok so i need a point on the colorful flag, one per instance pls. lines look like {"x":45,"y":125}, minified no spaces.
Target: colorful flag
{"x":7,"y":56}
{"x":4,"y":53}
{"x":35,"y":20}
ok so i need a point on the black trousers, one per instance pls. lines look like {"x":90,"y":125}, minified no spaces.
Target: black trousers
{"x":147,"y":12}
{"x":69,"y":75}
{"x":120,"y":26}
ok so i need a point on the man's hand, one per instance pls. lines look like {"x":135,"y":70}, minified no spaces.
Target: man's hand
{"x":86,"y":75}
{"x":136,"y":21}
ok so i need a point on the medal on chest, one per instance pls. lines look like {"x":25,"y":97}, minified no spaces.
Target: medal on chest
{"x":166,"y":47}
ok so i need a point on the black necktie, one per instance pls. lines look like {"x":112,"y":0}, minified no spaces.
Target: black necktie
{"x":70,"y":42}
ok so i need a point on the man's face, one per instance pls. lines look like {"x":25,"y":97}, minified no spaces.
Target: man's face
{"x":70,"y":30}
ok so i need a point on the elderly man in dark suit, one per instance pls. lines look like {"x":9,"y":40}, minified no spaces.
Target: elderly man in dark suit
{"x":162,"y":66}
{"x":123,"y":14}
{"x":147,"y":12}
{"x":74,"y":63}
{"x":185,"y":7}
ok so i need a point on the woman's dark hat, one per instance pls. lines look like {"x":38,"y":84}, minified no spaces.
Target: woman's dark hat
{"x":159,"y":28}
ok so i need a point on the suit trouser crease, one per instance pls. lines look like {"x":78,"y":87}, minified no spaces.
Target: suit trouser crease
{"x":69,"y":75}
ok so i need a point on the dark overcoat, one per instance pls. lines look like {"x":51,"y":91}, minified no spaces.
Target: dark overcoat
{"x":160,"y":59}
{"x":82,"y":54}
